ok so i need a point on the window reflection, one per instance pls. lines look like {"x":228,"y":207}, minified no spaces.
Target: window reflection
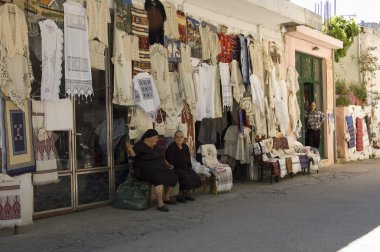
{"x":120,"y":119}
{"x":91,"y":126}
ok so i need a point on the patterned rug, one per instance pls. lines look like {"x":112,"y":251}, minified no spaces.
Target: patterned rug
{"x":10,"y":206}
{"x":18,"y":132}
{"x":140,"y":28}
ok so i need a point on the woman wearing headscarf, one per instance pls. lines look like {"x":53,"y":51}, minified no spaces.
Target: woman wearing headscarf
{"x":150,"y":165}
{"x":178,"y":155}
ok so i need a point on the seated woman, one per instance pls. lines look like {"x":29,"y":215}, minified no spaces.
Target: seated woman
{"x":150,"y":165}
{"x":178,"y":155}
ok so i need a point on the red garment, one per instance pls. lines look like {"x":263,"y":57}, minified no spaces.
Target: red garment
{"x":226,"y":48}
{"x":359,"y":134}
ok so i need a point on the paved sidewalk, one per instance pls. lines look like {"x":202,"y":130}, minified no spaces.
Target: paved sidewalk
{"x":320,"y":212}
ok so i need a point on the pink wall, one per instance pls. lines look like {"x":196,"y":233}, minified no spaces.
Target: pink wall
{"x":293,"y":45}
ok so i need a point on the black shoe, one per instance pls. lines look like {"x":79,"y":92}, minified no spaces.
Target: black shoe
{"x":163,"y":209}
{"x":169,"y":202}
{"x":181,"y":199}
{"x":189,"y":198}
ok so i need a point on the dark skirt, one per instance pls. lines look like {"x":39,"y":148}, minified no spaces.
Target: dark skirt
{"x":161,"y":176}
{"x":188,"y":179}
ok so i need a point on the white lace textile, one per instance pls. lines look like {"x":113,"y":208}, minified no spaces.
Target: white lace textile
{"x":77,"y":55}
{"x":52,"y":46}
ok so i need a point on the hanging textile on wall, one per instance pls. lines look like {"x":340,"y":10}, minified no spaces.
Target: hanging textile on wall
{"x":359,"y":134}
{"x":123,"y":15}
{"x":10,"y":205}
{"x":187,"y":87}
{"x":294,"y":110}
{"x":351,"y":131}
{"x":256,"y":52}
{"x":235,"y":47}
{"x":44,"y":148}
{"x":225,"y":55}
{"x":15,"y":67}
{"x":52,"y":50}
{"x":182,"y":26}
{"x":244,"y":59}
{"x":140,"y":28}
{"x":54,"y":121}
{"x":226,"y":86}
{"x":160,"y":73}
{"x":126,"y":49}
{"x":77,"y":56}
{"x":18,"y":132}
{"x":194,"y":38}
{"x":171,"y":23}
{"x":204,"y":30}
{"x":98,"y":19}
{"x":145,"y":94}
{"x":218,"y":110}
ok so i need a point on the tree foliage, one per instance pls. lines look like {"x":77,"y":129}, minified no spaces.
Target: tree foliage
{"x":344,"y":30}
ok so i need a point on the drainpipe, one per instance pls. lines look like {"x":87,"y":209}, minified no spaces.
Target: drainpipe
{"x":334,"y":109}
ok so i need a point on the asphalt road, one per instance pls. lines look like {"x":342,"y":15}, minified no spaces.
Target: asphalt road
{"x":320,"y":212}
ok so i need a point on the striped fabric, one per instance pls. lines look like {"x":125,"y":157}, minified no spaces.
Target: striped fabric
{"x":351,"y":131}
{"x":359,"y":134}
{"x":140,"y":28}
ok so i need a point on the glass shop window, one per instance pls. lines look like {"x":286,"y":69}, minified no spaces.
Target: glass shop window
{"x":91,"y":125}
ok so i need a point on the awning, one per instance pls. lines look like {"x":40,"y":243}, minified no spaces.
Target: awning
{"x":268,"y":13}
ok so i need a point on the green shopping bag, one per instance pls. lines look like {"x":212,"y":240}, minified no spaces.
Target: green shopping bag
{"x":132,"y":194}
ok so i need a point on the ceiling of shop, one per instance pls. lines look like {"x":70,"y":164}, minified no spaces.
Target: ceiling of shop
{"x":269,"y":13}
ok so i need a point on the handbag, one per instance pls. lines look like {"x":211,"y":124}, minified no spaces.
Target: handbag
{"x":171,"y":127}
{"x":160,"y":127}
{"x":132,"y":194}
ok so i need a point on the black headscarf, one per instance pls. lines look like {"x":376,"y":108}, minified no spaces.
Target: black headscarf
{"x":149,"y":133}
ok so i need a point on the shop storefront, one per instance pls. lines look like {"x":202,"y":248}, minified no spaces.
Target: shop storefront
{"x":88,"y":143}
{"x":311,"y":52}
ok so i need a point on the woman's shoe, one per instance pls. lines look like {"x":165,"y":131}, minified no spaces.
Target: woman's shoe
{"x":163,"y":209}
{"x":189,"y":198}
{"x":181,"y":199}
{"x":169,"y":202}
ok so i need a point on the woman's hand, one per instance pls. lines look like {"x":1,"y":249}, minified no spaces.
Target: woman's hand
{"x":171,"y":167}
{"x":130,"y":150}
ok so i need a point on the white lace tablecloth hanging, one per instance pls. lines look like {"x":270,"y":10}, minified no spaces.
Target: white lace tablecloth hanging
{"x":77,"y":56}
{"x":16,"y":73}
{"x":52,"y":49}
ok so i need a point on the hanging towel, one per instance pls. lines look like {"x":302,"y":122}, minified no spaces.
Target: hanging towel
{"x":44,"y":149}
{"x":351,"y":131}
{"x":59,"y":115}
{"x":77,"y":55}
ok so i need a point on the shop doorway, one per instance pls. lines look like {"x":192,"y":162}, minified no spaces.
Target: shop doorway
{"x":311,"y":89}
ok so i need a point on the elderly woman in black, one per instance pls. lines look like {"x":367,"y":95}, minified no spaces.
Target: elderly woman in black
{"x":178,"y":155}
{"x":150,"y":165}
